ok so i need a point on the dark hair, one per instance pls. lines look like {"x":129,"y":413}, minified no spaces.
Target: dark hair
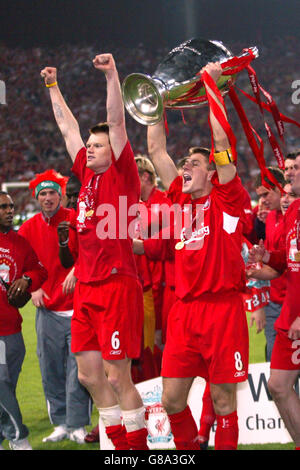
{"x":292,"y":155}
{"x":100,"y":127}
{"x":206,"y":153}
{"x":4,"y":193}
{"x":276,"y":172}
{"x":73,"y":180}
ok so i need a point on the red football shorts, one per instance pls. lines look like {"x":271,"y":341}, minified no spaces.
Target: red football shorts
{"x":208,"y":337}
{"x":285,"y":352}
{"x":168,"y":302}
{"x":108,"y":317}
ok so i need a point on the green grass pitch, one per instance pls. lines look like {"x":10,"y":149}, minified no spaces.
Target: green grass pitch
{"x":32,"y":401}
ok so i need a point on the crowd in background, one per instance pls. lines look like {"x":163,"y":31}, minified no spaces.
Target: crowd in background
{"x":31,"y":143}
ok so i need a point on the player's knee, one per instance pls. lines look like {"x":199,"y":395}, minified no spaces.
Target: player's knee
{"x":224,"y":402}
{"x":117,"y":382}
{"x":277,"y":388}
{"x":87,"y":381}
{"x":171,"y":404}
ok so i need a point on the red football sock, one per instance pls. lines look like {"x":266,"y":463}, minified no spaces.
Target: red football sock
{"x":184,"y":430}
{"x":227,"y":432}
{"x":137,"y":440}
{"x":297,"y":448}
{"x":117,"y":434}
{"x":208,"y":414}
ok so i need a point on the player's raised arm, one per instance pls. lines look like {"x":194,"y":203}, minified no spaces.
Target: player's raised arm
{"x":66,"y":122}
{"x":114,"y":103}
{"x":225,"y":168}
{"x":157,"y":149}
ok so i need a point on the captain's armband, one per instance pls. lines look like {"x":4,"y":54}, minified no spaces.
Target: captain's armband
{"x":224,"y":158}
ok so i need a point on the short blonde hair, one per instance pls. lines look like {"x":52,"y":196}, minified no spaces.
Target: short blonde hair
{"x":144,"y":164}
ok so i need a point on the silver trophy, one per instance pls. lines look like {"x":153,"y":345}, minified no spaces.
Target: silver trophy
{"x":176,"y":78}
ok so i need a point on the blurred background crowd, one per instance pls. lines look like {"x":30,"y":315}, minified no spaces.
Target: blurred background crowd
{"x":30,"y":141}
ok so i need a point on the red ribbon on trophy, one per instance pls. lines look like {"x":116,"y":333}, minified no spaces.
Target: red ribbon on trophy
{"x":232,"y":66}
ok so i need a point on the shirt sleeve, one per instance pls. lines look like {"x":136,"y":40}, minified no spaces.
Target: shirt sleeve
{"x":33,"y":268}
{"x":127,"y":169}
{"x":79,"y":168}
{"x":230,"y":196}
{"x":277,"y":260}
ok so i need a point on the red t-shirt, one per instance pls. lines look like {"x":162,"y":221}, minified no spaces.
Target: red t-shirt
{"x":291,"y":305}
{"x":274,"y":228}
{"x":210,"y":261}
{"x":103,"y":221}
{"x":16,"y":258}
{"x":151,"y":271}
{"x":41,"y":233}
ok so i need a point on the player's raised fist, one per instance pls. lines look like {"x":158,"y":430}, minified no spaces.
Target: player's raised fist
{"x":104,"y":62}
{"x":49,"y":74}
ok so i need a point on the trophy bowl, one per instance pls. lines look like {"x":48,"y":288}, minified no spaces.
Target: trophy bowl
{"x":145,"y":96}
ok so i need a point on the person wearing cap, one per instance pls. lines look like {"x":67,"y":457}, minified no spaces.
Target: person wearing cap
{"x":68,"y":403}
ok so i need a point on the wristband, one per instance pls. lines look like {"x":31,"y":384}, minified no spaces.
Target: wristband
{"x":63,"y":244}
{"x":49,"y":85}
{"x":223,"y":158}
{"x":28,"y":279}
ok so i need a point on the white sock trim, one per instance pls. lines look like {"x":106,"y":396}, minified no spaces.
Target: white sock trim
{"x":134,"y":419}
{"x":111,"y":416}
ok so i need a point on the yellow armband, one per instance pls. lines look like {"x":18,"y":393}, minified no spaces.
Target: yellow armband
{"x":223,"y":158}
{"x":51,"y":84}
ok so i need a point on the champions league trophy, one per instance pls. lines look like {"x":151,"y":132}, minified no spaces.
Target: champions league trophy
{"x":176,"y":83}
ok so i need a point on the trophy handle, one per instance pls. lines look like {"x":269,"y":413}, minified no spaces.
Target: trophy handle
{"x":143,"y":97}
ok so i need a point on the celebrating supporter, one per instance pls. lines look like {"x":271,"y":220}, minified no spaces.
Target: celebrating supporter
{"x":68,"y":403}
{"x":284,"y":361}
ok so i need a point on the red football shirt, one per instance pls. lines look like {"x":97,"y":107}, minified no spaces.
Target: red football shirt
{"x":210,"y":261}
{"x":274,"y":228}
{"x":41,"y":233}
{"x":103,"y":220}
{"x":291,"y":305}
{"x":16,"y":258}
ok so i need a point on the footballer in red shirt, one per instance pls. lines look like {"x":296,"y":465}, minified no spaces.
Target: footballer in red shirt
{"x":207,"y":333}
{"x":108,"y":303}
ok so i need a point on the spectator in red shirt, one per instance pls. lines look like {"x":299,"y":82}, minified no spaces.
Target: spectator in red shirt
{"x":68,"y":403}
{"x":271,"y":198}
{"x":285,"y":363}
